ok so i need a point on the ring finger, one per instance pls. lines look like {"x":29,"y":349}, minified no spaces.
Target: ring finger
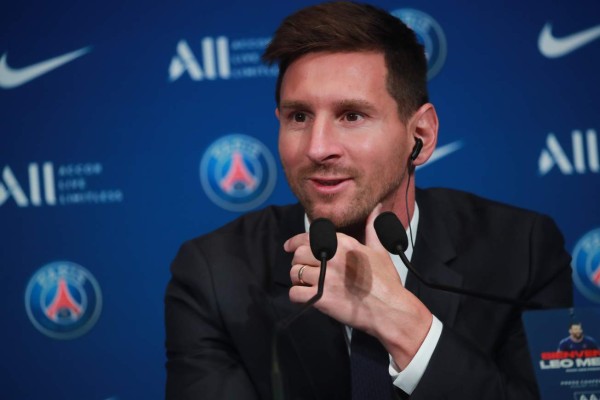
{"x":304,"y":274}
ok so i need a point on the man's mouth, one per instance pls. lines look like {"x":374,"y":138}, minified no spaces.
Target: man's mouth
{"x":328,"y":182}
{"x":329,"y":185}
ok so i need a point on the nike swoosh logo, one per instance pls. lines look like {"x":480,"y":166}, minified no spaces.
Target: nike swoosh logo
{"x":11,"y":77}
{"x":442,"y":152}
{"x":553,"y":47}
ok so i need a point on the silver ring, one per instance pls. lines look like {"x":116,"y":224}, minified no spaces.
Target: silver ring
{"x":300,"y":272}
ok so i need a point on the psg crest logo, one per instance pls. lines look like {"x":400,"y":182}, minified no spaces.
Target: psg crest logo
{"x":238,"y":172}
{"x":430,"y":35}
{"x":63,"y":300}
{"x":586,"y":265}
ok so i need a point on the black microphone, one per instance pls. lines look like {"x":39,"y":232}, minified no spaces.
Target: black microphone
{"x":323,"y":244}
{"x":323,"y":241}
{"x":392,"y":236}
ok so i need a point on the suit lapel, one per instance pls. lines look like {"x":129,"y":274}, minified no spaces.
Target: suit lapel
{"x":434,"y":250}
{"x":313,"y":350}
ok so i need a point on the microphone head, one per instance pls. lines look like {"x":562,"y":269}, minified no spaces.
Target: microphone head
{"x":390,"y":232}
{"x":323,"y":241}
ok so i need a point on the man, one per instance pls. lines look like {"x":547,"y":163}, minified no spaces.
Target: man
{"x":354,"y":123}
{"x":577,"y":341}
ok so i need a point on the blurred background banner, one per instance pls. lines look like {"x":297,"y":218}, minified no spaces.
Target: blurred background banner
{"x":128,"y":128}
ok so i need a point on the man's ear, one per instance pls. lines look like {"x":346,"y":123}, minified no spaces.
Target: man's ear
{"x":277,"y":112}
{"x":424,"y":125}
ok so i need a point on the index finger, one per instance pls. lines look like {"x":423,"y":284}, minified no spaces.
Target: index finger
{"x":294,"y":242}
{"x":371,"y":238}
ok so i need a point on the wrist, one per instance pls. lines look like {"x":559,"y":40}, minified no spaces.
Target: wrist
{"x":402,"y":332}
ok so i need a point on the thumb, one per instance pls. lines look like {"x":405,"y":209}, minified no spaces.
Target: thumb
{"x":371,"y":239}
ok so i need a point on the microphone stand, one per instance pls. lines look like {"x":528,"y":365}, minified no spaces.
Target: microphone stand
{"x":276,"y":377}
{"x":446,"y":288}
{"x":391,"y":234}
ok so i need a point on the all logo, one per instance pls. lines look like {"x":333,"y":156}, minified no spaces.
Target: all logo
{"x":430,"y":35}
{"x":583,"y":158}
{"x":45,"y":184}
{"x":220,"y":58}
{"x":238,"y":172}
{"x":63,"y":300}
{"x":215,"y":60}
{"x":12,"y":188}
{"x":586,"y":265}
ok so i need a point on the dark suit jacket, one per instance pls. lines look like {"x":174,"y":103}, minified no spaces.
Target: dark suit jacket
{"x":228,"y":289}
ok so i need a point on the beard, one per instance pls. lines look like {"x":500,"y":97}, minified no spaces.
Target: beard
{"x":348,"y":217}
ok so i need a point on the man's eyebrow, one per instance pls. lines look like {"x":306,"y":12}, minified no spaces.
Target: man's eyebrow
{"x":293,"y":104}
{"x":355,"y":104}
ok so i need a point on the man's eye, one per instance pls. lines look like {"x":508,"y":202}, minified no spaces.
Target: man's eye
{"x":299,"y":117}
{"x":352,"y":117}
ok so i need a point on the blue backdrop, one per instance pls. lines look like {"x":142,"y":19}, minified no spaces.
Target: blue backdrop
{"x":120,"y":123}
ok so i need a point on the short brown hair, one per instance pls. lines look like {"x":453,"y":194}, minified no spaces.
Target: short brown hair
{"x":351,"y":27}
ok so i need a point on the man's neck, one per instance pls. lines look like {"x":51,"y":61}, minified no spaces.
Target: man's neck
{"x":357,"y":231}
{"x":403,"y":202}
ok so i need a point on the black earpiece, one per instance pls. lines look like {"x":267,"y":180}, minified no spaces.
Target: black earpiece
{"x":416,"y":150}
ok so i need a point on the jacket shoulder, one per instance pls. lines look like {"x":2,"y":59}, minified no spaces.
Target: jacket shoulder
{"x":462,"y":208}
{"x":252,"y":231}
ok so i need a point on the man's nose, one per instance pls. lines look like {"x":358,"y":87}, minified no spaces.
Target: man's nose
{"x":324,"y":143}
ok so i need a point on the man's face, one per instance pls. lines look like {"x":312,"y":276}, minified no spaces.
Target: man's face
{"x":342,"y":144}
{"x":576,"y":331}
